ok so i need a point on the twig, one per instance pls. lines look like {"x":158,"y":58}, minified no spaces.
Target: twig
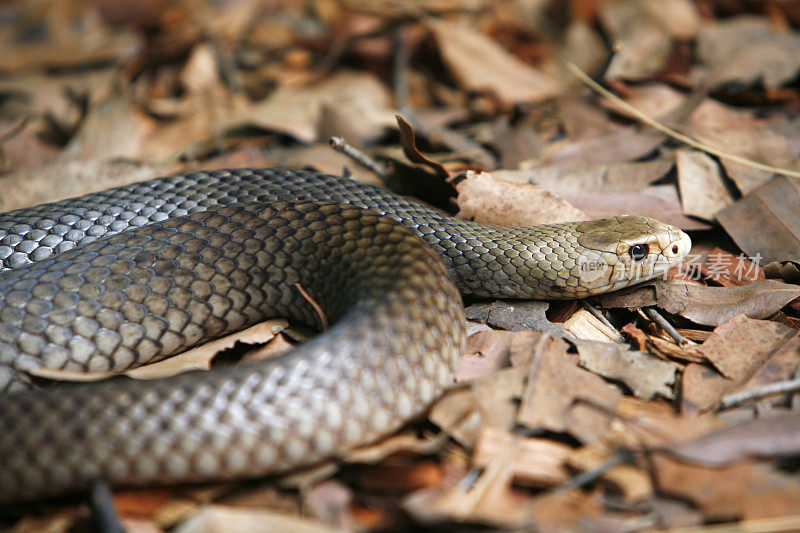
{"x":601,"y":317}
{"x":679,"y":339}
{"x":340,"y":145}
{"x":595,"y":473}
{"x":402,"y":57}
{"x":581,"y":75}
{"x":323,"y":318}
{"x":104,"y":515}
{"x":737,"y":398}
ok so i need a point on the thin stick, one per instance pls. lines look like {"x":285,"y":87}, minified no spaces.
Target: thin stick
{"x":340,"y":145}
{"x":581,"y":75}
{"x":679,"y":339}
{"x":737,"y":398}
{"x":323,"y":318}
{"x":602,"y":318}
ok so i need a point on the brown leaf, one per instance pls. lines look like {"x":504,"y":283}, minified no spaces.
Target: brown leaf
{"x":776,"y":435}
{"x":200,"y":358}
{"x":540,"y":462}
{"x":741,"y":347}
{"x":516,"y":316}
{"x":644,"y":374}
{"x":709,"y":306}
{"x":633,"y":482}
{"x":485,"y":199}
{"x":745,"y":49}
{"x":766,"y":222}
{"x":296,"y":111}
{"x":644,"y":425}
{"x":622,"y":144}
{"x":561,"y":397}
{"x":703,"y":191}
{"x":728,"y":270}
{"x":65,"y":178}
{"x":657,"y":201}
{"x":412,"y":153}
{"x":742,"y":344}
{"x":480,"y":64}
{"x":743,"y":490}
{"x":571,"y":179}
{"x":643,"y":33}
{"x":221,"y":518}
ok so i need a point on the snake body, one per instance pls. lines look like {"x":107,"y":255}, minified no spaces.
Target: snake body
{"x":116,"y":279}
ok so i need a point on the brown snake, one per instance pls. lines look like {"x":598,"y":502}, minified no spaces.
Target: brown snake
{"x":117,"y":279}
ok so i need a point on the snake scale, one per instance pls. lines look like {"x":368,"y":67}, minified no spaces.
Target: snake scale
{"x":123,"y":277}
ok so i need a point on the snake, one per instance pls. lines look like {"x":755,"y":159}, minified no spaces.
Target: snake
{"x":120,"y":278}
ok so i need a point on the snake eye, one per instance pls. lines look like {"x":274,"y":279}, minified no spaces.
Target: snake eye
{"x":639,"y":252}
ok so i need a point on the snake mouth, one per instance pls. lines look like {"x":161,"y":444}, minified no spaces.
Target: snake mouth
{"x":633,"y":262}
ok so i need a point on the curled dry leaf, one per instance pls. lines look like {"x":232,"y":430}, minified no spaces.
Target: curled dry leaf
{"x":709,"y":306}
{"x":776,"y":435}
{"x":483,"y":198}
{"x":200,"y":358}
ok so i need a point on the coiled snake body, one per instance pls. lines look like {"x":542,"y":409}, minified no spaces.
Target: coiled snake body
{"x":120,"y":278}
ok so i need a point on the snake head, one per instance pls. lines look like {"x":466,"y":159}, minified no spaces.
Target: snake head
{"x":624,"y":250}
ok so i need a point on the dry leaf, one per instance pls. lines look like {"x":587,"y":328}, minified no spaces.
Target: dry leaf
{"x":657,"y":201}
{"x":726,"y":269}
{"x":644,"y":374}
{"x":296,"y":111}
{"x":536,"y":461}
{"x":709,"y":306}
{"x":703,"y":191}
{"x":516,"y":316}
{"x":641,"y":425}
{"x":200,"y":358}
{"x":766,"y":222}
{"x":561,"y":397}
{"x":633,"y":482}
{"x":66,"y":178}
{"x":574,"y":179}
{"x":480,"y":64}
{"x":741,"y":344}
{"x":777,"y":435}
{"x":745,"y":49}
{"x":583,"y":325}
{"x":485,"y":199}
{"x":219,"y":519}
{"x":744,"y":490}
